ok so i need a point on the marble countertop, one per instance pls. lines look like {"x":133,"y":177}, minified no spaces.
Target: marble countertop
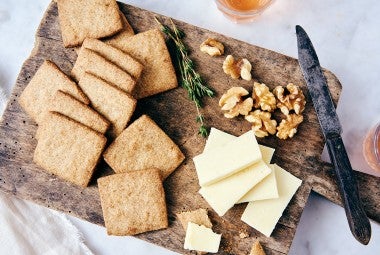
{"x":346,"y":37}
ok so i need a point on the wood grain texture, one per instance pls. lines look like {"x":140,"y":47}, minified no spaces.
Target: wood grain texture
{"x":175,"y":114}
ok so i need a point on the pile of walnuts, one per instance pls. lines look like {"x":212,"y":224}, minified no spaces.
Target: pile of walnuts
{"x":258,"y":108}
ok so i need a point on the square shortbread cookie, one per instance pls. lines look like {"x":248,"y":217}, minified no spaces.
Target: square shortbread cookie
{"x":126,"y":32}
{"x":133,"y":202}
{"x":91,"y":62}
{"x":114,"y":104}
{"x":47,"y":80}
{"x":76,"y":110}
{"x":116,"y":56}
{"x":68,"y":149}
{"x":87,"y":19}
{"x":149,"y":48}
{"x":143,"y":145}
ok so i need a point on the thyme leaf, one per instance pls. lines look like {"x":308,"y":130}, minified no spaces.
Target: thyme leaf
{"x":191,"y":81}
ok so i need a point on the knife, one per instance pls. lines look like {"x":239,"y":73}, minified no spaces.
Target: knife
{"x":331,"y":128}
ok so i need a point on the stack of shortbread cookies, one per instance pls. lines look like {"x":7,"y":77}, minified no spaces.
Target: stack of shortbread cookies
{"x":79,"y":115}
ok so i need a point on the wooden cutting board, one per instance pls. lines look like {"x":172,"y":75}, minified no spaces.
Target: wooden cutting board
{"x":175,"y":114}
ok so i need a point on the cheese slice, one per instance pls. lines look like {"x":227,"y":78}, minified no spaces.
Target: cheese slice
{"x":267,"y":153}
{"x":224,"y":161}
{"x":223,"y":194}
{"x":200,"y":238}
{"x":218,"y":138}
{"x":266,"y":189}
{"x":263,"y":215}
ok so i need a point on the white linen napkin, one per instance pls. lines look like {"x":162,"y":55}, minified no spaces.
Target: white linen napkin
{"x":27,"y":228}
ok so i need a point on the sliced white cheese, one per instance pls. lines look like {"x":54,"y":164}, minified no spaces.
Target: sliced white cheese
{"x":267,"y":153}
{"x":266,"y":189}
{"x":224,"y":161}
{"x":223,"y":194}
{"x":200,"y":238}
{"x":218,"y":138}
{"x":263,"y":215}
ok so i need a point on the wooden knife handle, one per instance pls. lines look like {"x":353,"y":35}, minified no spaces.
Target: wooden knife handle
{"x":356,"y":216}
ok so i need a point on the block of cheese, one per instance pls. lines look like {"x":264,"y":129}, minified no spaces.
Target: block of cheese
{"x":223,"y":194}
{"x":200,"y":238}
{"x":263,"y":215}
{"x":230,"y":158}
{"x":266,"y":189}
{"x":219,"y":138}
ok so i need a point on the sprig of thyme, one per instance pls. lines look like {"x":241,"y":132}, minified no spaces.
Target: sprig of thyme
{"x":191,"y":80}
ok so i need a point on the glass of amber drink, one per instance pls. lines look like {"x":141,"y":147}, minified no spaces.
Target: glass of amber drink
{"x":371,"y":147}
{"x":242,"y":10}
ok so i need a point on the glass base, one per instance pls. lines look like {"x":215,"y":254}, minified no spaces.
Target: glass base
{"x":241,"y":16}
{"x":240,"y":19}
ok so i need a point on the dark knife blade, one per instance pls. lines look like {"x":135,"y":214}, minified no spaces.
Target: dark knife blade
{"x":317,"y":85}
{"x":331,"y":128}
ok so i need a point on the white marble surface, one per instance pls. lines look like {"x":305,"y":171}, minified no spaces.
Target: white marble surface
{"x":346,"y":37}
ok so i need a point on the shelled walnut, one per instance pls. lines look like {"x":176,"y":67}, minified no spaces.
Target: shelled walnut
{"x":242,"y":108}
{"x":288,"y":127}
{"x":212,"y":47}
{"x":263,"y":98}
{"x":232,"y":96}
{"x":236,"y":69}
{"x":290,"y":98}
{"x":232,"y":102}
{"x":262,"y":124}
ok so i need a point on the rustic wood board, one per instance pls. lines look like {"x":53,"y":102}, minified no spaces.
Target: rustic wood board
{"x":175,"y":114}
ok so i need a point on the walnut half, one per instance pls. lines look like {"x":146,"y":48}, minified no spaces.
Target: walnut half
{"x":288,"y":126}
{"x":233,"y":104}
{"x":212,"y":47}
{"x":290,"y":98}
{"x":263,"y":98}
{"x":236,"y":69}
{"x":262,"y":124}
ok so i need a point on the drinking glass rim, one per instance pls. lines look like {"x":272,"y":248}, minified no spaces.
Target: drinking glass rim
{"x":376,"y":142}
{"x":222,"y":4}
